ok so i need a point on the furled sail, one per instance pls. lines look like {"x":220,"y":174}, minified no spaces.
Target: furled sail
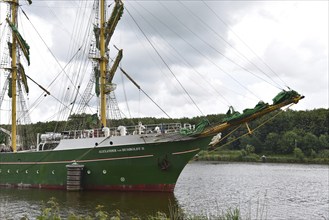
{"x":109,"y":87}
{"x":21,"y":71}
{"x":10,"y":92}
{"x":113,"y":21}
{"x":10,"y":46}
{"x":115,"y":66}
{"x":22,"y":43}
{"x":97,"y":75}
{"x":234,"y":118}
{"x":97,"y":32}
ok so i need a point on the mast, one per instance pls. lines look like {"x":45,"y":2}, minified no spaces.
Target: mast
{"x":13,"y":76}
{"x":106,"y":32}
{"x":103,"y":62}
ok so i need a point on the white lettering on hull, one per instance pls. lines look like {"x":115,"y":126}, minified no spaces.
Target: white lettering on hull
{"x":129,"y":149}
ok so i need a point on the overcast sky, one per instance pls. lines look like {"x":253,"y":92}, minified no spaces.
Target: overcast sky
{"x":191,"y":57}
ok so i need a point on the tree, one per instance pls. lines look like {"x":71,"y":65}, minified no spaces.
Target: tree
{"x":288,"y":142}
{"x":324,"y":141}
{"x":83,"y":121}
{"x":250,"y":149}
{"x":299,"y":153}
{"x":234,"y":143}
{"x":271,"y":142}
{"x":254,"y":141}
{"x":309,"y":143}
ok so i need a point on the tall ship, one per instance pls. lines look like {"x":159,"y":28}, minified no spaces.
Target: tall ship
{"x":126,"y":158}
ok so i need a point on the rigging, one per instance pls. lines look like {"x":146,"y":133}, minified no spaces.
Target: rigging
{"x":237,"y":51}
{"x":220,"y":19}
{"x":170,"y":70}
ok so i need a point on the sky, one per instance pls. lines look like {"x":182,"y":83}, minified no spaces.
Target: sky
{"x":192,"y":58}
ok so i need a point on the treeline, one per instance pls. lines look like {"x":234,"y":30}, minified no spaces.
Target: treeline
{"x":289,"y":131}
{"x":281,"y":132}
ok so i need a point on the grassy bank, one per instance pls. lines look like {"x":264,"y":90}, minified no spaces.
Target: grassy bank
{"x":243,"y":156}
{"x":51,"y":211}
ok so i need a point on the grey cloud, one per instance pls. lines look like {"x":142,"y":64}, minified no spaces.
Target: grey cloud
{"x":184,"y":51}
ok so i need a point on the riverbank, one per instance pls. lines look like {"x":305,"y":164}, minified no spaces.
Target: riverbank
{"x":51,"y":210}
{"x":243,"y":156}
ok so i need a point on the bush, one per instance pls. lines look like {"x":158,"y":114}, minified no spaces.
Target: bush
{"x":51,"y":210}
{"x":250,"y":149}
{"x":299,"y":154}
{"x":324,"y":154}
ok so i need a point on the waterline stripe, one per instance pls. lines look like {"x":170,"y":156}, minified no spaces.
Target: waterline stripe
{"x":185,"y":152}
{"x":71,"y":161}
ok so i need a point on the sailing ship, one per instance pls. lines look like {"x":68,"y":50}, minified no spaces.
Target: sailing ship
{"x":138,"y":158}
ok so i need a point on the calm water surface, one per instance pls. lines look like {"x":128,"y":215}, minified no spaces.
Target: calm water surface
{"x":260,"y":191}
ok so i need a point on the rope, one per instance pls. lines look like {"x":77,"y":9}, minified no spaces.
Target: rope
{"x":188,"y":63}
{"x":204,"y":41}
{"x":245,"y":44}
{"x":230,"y":133}
{"x":247,"y":133}
{"x":166,"y":64}
{"x":229,"y":59}
{"x":141,"y":90}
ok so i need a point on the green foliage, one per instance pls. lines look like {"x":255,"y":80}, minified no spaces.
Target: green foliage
{"x":287,"y":142}
{"x":250,"y":149}
{"x":324,"y":141}
{"x":243,"y":153}
{"x":307,"y":130}
{"x":231,"y":214}
{"x":83,"y":121}
{"x":50,"y":211}
{"x":308,"y":143}
{"x":299,"y":154}
{"x":234,"y":143}
{"x":324,"y":154}
{"x":271,"y":142}
{"x":102,"y":215}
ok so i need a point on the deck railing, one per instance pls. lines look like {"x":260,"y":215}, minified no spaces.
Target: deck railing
{"x":116,"y":131}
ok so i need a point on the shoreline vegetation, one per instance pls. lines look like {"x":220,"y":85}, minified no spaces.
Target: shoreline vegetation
{"x":244,"y":156}
{"x":51,"y":211}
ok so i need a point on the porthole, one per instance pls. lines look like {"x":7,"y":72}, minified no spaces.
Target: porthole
{"x":8,"y":171}
{"x":37,"y":171}
{"x":26,"y":171}
{"x":88,"y":172}
{"x":104,"y":171}
{"x":0,"y":170}
{"x":122,"y":179}
{"x":53,"y":172}
{"x":16,"y":171}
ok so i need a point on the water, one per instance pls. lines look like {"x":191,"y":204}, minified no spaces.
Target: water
{"x":260,"y":191}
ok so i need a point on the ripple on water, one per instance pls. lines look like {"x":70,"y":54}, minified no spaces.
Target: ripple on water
{"x":275,"y":190}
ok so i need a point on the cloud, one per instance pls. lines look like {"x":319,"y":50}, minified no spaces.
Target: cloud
{"x":191,"y":44}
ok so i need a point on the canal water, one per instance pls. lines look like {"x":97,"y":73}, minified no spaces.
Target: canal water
{"x":260,"y":191}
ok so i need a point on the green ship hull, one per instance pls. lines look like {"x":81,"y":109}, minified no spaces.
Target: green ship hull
{"x":133,"y":167}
